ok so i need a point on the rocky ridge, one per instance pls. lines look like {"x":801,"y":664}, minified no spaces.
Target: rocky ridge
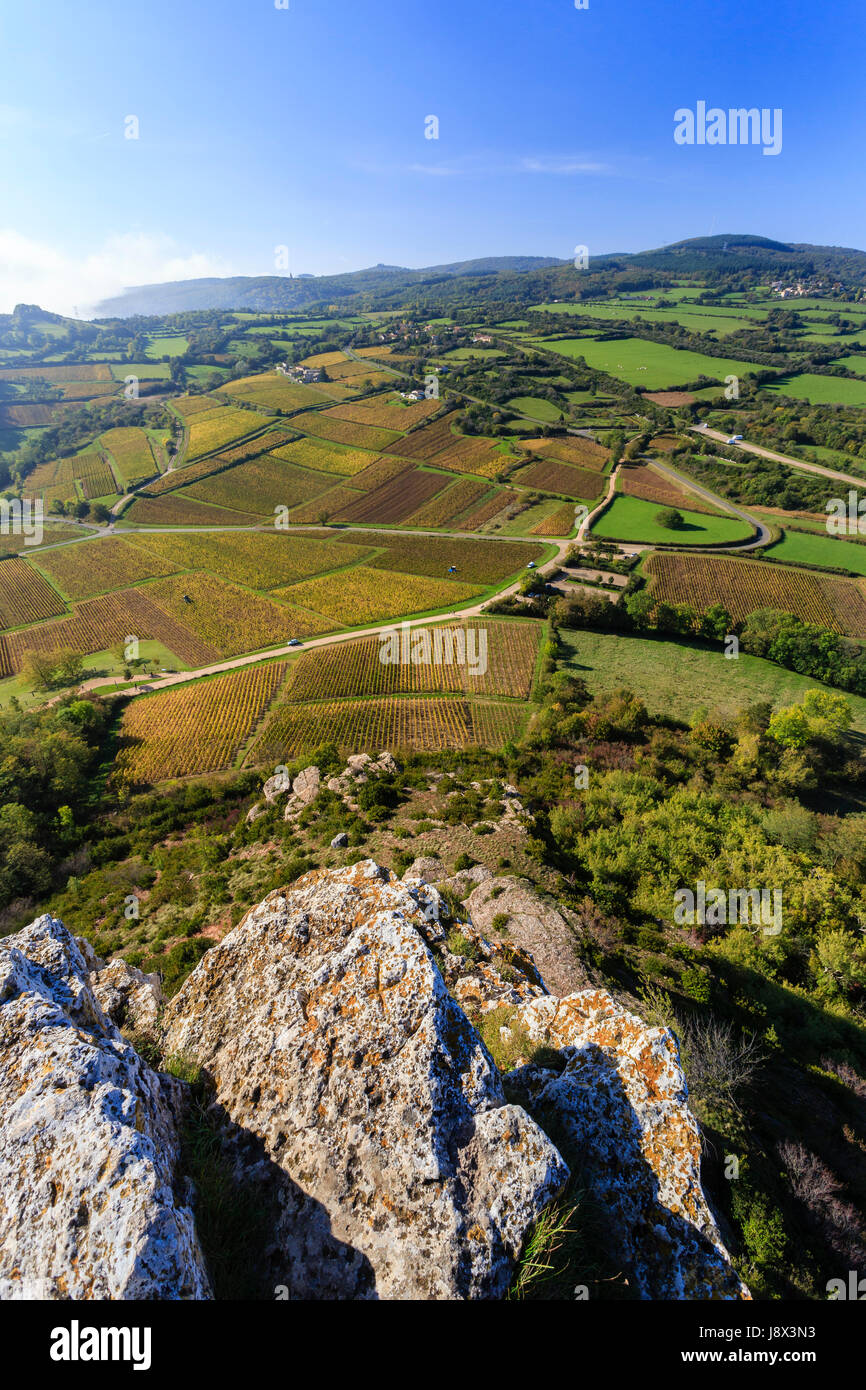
{"x":334,"y":1026}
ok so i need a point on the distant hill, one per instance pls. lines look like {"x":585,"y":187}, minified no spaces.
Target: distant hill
{"x":285,"y":294}
{"x":732,"y":257}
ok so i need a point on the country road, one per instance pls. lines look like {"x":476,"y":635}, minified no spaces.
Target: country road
{"x":780,"y":458}
{"x":454,"y":615}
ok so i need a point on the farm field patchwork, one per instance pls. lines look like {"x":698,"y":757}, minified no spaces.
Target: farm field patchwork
{"x":743,"y":586}
{"x":445,"y":506}
{"x":366,"y":595}
{"x":98,"y":566}
{"x":99,"y":623}
{"x":263,"y":560}
{"x":274,"y":390}
{"x":230,"y":619}
{"x":195,"y":728}
{"x":574,"y":449}
{"x":395,"y":500}
{"x":260,"y":486}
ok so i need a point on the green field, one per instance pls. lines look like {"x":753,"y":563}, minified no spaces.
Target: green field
{"x":678,"y":679}
{"x":818,"y":549}
{"x":632,"y":519}
{"x":717,"y":319}
{"x":535,"y":406}
{"x":854,"y":364}
{"x":820,"y":390}
{"x":166,"y":345}
{"x":640,"y":363}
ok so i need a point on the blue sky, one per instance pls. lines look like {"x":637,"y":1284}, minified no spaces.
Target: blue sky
{"x":304,"y":127}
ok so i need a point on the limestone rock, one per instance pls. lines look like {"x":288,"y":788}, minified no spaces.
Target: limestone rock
{"x":330,"y":1035}
{"x":131,"y":999}
{"x":340,"y":840}
{"x":622,"y":1102}
{"x":425,"y":868}
{"x":88,"y":1141}
{"x":305,"y":788}
{"x":536,"y":925}
{"x":278,"y":785}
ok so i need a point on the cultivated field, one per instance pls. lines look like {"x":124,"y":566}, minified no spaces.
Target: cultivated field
{"x":475,"y":561}
{"x":25,"y":596}
{"x":132,"y":454}
{"x":743,"y":586}
{"x":392,"y":722}
{"x":210,"y":432}
{"x":177,"y":509}
{"x":396,"y":500}
{"x":356,"y":669}
{"x":442,"y":509}
{"x":273,"y":390}
{"x":549,"y":476}
{"x":368,"y":595}
{"x":98,"y":566}
{"x":261,"y":485}
{"x":573,"y":449}
{"x":262,"y":560}
{"x":325,"y":425}
{"x":196,"y":728}
{"x":326,"y":458}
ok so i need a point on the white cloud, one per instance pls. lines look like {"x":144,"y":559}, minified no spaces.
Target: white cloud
{"x":35,"y":272}
{"x":561,"y":164}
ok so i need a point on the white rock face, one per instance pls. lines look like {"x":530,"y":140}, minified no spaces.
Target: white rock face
{"x":131,"y":999}
{"x":622,"y":1101}
{"x":305,"y":789}
{"x":88,"y":1141}
{"x":330,"y":1035}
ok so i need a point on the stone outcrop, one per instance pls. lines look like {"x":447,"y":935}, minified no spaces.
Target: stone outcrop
{"x":354,"y":1094}
{"x":330,"y":1035}
{"x":533,"y":923}
{"x":131,"y":999}
{"x":88,"y":1139}
{"x":621,"y":1098}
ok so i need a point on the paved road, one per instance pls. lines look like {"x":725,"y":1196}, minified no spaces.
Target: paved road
{"x":781,"y":458}
{"x":764,"y":532}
